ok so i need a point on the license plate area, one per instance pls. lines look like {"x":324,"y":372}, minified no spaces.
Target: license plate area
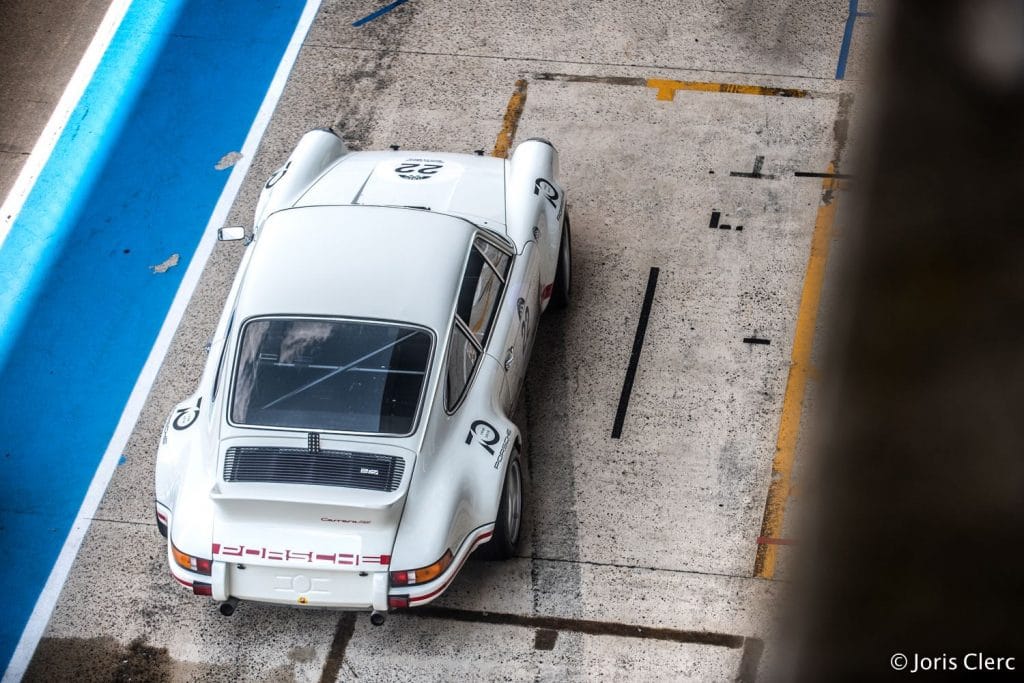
{"x":300,"y":586}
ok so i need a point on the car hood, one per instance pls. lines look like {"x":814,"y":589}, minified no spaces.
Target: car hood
{"x":472,"y":187}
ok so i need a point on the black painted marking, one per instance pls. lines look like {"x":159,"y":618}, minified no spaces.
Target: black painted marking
{"x":756,"y":173}
{"x":544,"y":639}
{"x":573,"y":78}
{"x":634,"y":357}
{"x":597,"y":628}
{"x":335,"y":656}
{"x":756,"y":340}
{"x":716,"y":216}
{"x":811,"y":174}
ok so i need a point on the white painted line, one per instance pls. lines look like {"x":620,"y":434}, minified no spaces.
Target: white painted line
{"x":47,"y":140}
{"x":58,"y":575}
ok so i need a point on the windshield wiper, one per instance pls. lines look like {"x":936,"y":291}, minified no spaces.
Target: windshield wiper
{"x":340,"y":370}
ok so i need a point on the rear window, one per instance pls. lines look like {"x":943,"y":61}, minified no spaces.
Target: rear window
{"x":350,"y":376}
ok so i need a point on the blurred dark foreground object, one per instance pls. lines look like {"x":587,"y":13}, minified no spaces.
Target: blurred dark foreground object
{"x":919,"y":528}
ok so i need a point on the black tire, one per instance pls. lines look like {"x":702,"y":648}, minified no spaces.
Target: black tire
{"x":563,"y":274}
{"x":161,"y":527}
{"x":509,"y":525}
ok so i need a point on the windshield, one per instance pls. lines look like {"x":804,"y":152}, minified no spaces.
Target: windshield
{"x":337,"y":375}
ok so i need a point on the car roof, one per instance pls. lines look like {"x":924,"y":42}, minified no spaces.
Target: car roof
{"x":370,"y":262}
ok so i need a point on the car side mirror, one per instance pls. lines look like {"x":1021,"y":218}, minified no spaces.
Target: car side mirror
{"x":230,"y":234}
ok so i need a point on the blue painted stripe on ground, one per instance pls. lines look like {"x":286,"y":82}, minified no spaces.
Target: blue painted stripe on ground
{"x":61,"y":192}
{"x":130,"y":182}
{"x":379,"y":13}
{"x":844,"y":49}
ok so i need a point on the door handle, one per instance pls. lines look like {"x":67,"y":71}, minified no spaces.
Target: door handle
{"x":509,"y":358}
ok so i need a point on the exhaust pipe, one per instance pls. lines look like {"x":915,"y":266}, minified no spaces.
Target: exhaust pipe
{"x":377,"y":618}
{"x":227,"y":608}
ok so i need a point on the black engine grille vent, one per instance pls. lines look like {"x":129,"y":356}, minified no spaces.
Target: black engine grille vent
{"x":326,"y":468}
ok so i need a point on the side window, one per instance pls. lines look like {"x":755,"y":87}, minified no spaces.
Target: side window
{"x":462,"y":357}
{"x":223,"y":355}
{"x":496,"y":257}
{"x":482,"y":283}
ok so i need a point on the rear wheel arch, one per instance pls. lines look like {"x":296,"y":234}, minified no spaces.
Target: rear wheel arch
{"x":562,"y":287}
{"x":508,"y":525}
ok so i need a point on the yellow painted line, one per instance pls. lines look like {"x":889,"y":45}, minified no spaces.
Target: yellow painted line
{"x":508,"y":127}
{"x":800,"y":370}
{"x":667,"y":89}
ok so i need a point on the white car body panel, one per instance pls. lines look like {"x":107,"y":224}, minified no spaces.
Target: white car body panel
{"x":536,"y":201}
{"x":431,"y":248}
{"x":334,"y":239}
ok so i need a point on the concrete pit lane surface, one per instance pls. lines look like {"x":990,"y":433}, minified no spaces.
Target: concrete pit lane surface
{"x":702,"y":146}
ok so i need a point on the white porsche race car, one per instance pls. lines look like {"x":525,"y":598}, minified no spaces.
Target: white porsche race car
{"x":351,"y":441}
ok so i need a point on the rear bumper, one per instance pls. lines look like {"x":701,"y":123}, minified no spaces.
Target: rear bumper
{"x":350,"y":590}
{"x":247,"y":578}
{"x":283,"y":585}
{"x":356,"y":590}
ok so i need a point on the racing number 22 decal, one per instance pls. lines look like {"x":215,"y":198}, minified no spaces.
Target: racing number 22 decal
{"x":487,"y":434}
{"x":186,"y":417}
{"x":551,"y":192}
{"x":419,"y":169}
{"x":277,"y":175}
